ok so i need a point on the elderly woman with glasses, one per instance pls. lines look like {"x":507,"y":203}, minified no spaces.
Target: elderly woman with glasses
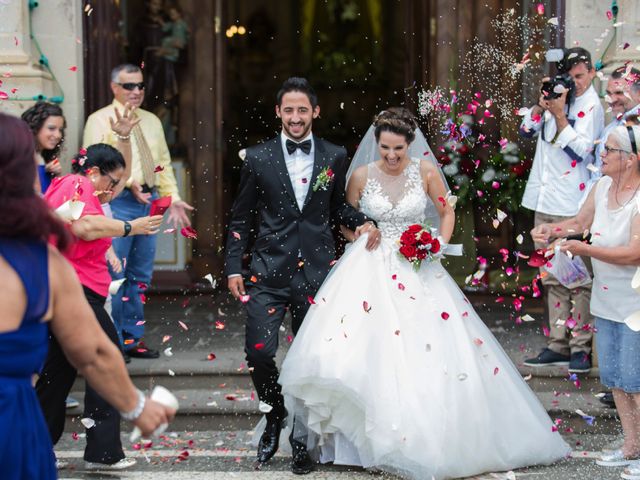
{"x":610,"y":214}
{"x":99,"y":174}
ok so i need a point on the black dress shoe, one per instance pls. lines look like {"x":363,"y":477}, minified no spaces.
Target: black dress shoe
{"x":268,"y":445}
{"x":607,"y":399}
{"x":301,"y":464}
{"x":142,"y":351}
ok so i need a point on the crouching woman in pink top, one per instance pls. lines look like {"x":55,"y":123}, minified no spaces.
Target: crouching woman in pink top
{"x":99,"y":174}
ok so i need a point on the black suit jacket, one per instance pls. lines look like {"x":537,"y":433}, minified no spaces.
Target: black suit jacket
{"x":283,"y":231}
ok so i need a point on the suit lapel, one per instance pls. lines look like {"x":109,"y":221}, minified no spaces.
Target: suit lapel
{"x":277,"y":159}
{"x":319,"y":162}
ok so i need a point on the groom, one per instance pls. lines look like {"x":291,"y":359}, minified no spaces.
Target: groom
{"x":292,"y":188}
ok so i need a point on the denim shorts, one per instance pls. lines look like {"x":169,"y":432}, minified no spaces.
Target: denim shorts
{"x":618,"y":350}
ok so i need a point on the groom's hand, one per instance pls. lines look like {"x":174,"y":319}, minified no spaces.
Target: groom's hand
{"x":236,"y":286}
{"x":374,"y":234}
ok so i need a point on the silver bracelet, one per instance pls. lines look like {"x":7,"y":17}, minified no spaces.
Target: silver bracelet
{"x":137,"y":411}
{"x":122,"y":137}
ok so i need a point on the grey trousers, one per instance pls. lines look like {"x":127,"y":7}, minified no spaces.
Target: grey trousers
{"x":564,"y":303}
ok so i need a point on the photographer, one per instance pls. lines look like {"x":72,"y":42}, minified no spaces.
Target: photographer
{"x":567,"y":119}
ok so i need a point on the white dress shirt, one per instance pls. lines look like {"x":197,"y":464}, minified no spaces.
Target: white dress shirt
{"x":299,"y":166}
{"x":559,"y":176}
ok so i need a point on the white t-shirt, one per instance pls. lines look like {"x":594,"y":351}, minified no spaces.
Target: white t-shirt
{"x":612,"y":297}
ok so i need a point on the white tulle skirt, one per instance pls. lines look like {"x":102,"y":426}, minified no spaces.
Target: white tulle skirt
{"x":393,"y":369}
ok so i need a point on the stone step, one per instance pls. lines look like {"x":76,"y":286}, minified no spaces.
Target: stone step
{"x":228,"y":407}
{"x":224,"y":408}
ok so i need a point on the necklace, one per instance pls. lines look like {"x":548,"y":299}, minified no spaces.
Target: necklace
{"x":633,"y":195}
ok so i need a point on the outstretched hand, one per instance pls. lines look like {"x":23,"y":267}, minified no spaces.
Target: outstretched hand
{"x":178,"y":213}
{"x":124,"y":122}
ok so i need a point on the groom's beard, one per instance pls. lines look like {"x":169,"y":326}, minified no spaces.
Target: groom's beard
{"x":306,"y":128}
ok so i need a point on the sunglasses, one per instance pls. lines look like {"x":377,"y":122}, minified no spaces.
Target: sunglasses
{"x":132,"y":86}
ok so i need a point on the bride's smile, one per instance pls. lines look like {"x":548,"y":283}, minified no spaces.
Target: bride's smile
{"x":393,"y":152}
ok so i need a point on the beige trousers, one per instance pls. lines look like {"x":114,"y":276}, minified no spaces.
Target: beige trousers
{"x":564,"y":303}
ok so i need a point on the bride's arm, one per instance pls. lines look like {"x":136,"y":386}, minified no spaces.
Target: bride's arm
{"x":354,"y":190}
{"x":434,"y":187}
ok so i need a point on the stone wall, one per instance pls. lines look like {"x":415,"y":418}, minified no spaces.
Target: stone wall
{"x":57,"y":28}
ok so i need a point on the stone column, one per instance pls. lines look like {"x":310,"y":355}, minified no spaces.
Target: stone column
{"x":57,"y":29}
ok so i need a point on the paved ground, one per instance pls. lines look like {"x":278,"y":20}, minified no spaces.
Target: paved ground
{"x":213,"y":323}
{"x":229,"y":455}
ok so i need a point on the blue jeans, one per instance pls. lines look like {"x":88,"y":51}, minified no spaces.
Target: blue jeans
{"x":137,"y":253}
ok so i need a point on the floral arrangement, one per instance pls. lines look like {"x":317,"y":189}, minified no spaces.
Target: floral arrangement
{"x":417,"y":244}
{"x":501,"y":180}
{"x":324,"y":179}
{"x":477,"y":170}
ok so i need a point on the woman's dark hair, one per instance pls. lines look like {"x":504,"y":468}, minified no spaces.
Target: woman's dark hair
{"x":100,"y":155}
{"x":298,"y":84}
{"x":24,"y":214}
{"x":35,"y":118}
{"x":396,"y":120}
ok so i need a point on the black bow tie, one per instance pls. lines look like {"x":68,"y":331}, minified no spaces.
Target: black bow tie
{"x":304,"y":146}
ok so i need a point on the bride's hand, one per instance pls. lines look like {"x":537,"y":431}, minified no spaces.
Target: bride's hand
{"x":374,"y":235}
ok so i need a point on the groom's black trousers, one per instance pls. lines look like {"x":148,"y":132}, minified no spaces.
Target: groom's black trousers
{"x":265,"y":313}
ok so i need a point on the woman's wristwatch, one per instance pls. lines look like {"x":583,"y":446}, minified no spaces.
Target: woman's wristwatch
{"x":127,"y":228}
{"x":137,"y":411}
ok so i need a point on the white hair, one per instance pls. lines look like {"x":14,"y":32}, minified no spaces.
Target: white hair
{"x":622,"y":137}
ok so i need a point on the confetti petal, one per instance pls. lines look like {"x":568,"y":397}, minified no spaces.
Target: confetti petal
{"x":88,"y":422}
{"x":189,"y":232}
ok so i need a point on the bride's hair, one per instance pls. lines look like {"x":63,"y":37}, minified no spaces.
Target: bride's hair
{"x":396,"y":120}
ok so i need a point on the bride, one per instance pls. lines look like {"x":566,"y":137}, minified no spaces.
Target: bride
{"x":392,"y":368}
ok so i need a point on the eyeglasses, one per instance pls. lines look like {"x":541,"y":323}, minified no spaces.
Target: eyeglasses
{"x":131,"y":85}
{"x":114,"y":181}
{"x":609,"y":149}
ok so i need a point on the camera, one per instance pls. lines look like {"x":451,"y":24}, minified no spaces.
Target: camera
{"x":553,"y":88}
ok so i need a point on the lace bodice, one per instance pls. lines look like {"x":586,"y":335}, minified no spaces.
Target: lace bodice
{"x":394,"y":201}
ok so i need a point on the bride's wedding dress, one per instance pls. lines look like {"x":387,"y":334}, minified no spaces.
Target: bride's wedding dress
{"x":393,"y":369}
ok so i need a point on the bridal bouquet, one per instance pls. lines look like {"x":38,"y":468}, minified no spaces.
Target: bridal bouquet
{"x":417,"y":244}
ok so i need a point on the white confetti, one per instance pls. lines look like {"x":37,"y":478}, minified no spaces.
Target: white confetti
{"x":171,"y":373}
{"x":527,"y":318}
{"x":208,"y":277}
{"x":519,"y":239}
{"x":168,"y":352}
{"x":88,"y":422}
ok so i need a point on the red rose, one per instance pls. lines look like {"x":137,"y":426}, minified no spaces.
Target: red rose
{"x":435,"y":245}
{"x":408,"y":238}
{"x":408,"y":251}
{"x":414,"y":228}
{"x":422,"y":254}
{"x":425,"y":237}
{"x":329,"y":173}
